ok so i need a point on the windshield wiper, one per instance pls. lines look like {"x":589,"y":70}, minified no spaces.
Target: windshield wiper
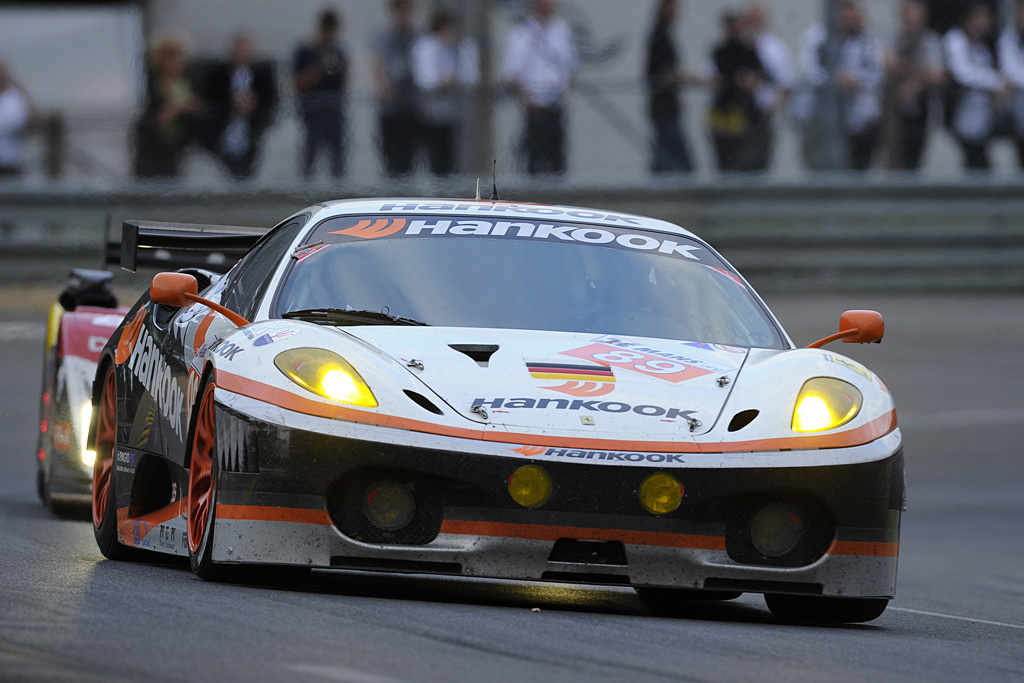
{"x":340,"y":316}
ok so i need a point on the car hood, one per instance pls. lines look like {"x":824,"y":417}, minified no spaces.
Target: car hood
{"x":567,"y":382}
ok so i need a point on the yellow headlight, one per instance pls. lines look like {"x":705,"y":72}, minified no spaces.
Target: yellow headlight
{"x":660,"y":493}
{"x":825,"y":403}
{"x":530,"y":486}
{"x":326,"y":374}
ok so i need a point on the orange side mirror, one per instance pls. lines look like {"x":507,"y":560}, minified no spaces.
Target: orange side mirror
{"x":856,"y":327}
{"x":181,"y":289}
{"x":171,"y":288}
{"x":869,"y":325}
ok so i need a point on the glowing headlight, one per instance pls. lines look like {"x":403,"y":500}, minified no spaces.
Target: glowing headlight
{"x":326,"y":374}
{"x":88,"y":457}
{"x":825,"y":403}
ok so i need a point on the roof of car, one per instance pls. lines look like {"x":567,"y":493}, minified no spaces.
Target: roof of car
{"x":504,"y":209}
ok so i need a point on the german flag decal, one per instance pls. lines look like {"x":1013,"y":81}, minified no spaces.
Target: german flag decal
{"x":569,"y":371}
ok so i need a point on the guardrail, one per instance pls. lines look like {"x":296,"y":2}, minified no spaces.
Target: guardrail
{"x":829,"y":234}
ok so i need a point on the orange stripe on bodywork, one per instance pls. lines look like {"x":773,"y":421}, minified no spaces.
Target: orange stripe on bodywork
{"x":864,"y":548}
{"x":286,"y":399}
{"x":541,"y":532}
{"x":263,"y":513}
{"x":126,"y":524}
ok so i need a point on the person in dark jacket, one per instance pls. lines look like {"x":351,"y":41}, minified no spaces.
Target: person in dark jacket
{"x":320,"y":74}
{"x":665,"y":78}
{"x":733,"y":117}
{"x":240,"y":99}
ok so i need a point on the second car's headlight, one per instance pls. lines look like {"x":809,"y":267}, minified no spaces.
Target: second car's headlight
{"x":326,"y":374}
{"x":825,"y":403}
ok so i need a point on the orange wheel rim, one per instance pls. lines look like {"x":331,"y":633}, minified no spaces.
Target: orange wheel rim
{"x":200,"y":480}
{"x":106,"y":432}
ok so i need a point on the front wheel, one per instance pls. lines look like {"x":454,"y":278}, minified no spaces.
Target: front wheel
{"x":104,"y":476}
{"x":204,"y":469}
{"x":813,"y":609}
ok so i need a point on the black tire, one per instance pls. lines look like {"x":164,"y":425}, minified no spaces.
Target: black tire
{"x":660,"y":596}
{"x":41,"y":485}
{"x":105,"y":528}
{"x":813,"y":609}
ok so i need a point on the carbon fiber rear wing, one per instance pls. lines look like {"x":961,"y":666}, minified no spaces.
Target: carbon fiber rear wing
{"x":172,"y":246}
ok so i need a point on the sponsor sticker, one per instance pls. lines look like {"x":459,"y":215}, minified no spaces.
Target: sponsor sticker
{"x":850,"y":365}
{"x":348,"y":228}
{"x":270,"y":338}
{"x":601,"y":457}
{"x":581,"y":405}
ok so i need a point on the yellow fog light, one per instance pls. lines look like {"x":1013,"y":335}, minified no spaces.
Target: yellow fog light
{"x":326,"y":374}
{"x":530,"y":486}
{"x":660,"y":493}
{"x":825,"y":403}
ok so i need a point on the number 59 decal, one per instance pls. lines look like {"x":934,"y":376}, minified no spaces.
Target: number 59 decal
{"x":636,"y":361}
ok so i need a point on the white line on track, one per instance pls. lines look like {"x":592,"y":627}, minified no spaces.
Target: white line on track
{"x":957,"y":618}
{"x":22,"y":331}
{"x":340,"y":673}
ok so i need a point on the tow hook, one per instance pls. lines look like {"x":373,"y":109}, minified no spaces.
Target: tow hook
{"x":694,"y":423}
{"x":415,"y":363}
{"x":723,"y":381}
{"x":482,"y":412}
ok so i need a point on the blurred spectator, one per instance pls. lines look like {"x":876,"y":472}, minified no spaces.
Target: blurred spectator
{"x":914,"y":65}
{"x":777,"y":83}
{"x":1011,"y":62}
{"x":665,"y":78}
{"x":240,"y":97}
{"x":396,"y":91}
{"x":975,"y":85}
{"x":540,"y":60}
{"x":15,"y":115}
{"x":166,"y":127}
{"x":858,"y":78}
{"x":733,"y":117}
{"x":320,"y":75}
{"x":444,"y":67}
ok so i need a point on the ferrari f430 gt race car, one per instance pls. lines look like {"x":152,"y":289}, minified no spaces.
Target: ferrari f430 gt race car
{"x":492,"y":389}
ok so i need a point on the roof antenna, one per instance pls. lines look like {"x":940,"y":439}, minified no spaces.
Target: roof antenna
{"x":477,"y":198}
{"x":494,"y":182}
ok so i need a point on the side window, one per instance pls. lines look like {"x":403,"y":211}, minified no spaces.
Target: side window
{"x":253,"y":272}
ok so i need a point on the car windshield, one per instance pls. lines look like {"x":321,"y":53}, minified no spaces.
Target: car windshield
{"x":523,"y":274}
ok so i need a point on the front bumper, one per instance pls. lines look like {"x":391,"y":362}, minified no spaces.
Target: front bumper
{"x":284,"y":491}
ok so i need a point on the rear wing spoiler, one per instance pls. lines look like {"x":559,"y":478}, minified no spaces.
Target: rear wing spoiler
{"x":172,"y":246}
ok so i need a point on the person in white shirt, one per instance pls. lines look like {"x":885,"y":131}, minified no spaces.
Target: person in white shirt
{"x":540,"y":60}
{"x":1011,"y":63}
{"x":15,"y":115}
{"x":858,"y":77}
{"x":774,"y":89}
{"x":971,"y":66}
{"x":443,"y":68}
{"x":915,"y":68}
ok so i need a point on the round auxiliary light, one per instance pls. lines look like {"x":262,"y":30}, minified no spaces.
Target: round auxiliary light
{"x":530,"y":486}
{"x":776,"y":529}
{"x":389,"y":504}
{"x":660,"y":493}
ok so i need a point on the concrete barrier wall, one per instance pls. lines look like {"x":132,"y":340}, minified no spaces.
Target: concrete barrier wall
{"x":831,"y":235}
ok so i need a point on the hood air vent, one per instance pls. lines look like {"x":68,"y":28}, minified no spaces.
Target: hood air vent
{"x":481,"y":353}
{"x":423,"y":402}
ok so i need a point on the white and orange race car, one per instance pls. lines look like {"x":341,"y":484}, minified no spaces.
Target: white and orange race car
{"x":493,"y":389}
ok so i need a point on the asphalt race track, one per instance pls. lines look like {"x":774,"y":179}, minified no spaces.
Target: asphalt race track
{"x":955,"y":366}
